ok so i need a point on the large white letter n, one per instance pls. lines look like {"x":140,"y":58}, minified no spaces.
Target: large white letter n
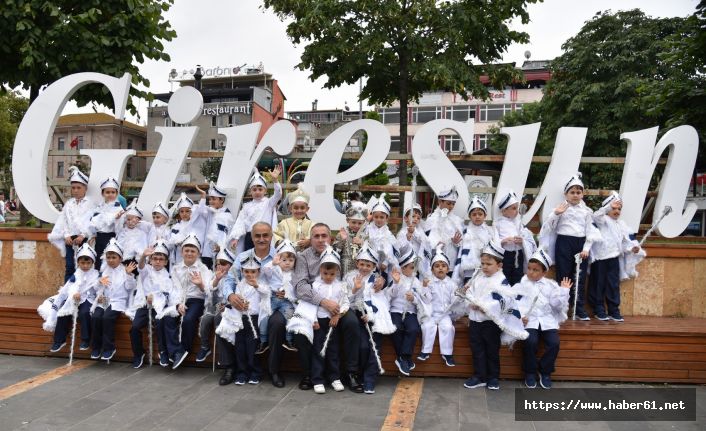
{"x":34,"y":136}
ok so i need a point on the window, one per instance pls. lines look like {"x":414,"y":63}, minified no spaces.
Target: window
{"x":494,"y":112}
{"x":230,"y":120}
{"x":460,"y":113}
{"x":129,"y":144}
{"x":143,"y":146}
{"x":186,"y":168}
{"x":214,"y":145}
{"x":61,"y":144}
{"x":424,"y":114}
{"x":80,"y":142}
{"x":390,"y":115}
{"x":214,"y":121}
{"x":395,"y":144}
{"x":451,"y":143}
{"x":482,"y":142}
{"x":60,"y":169}
{"x":129,"y":171}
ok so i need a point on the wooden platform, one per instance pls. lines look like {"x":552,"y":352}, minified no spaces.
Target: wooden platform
{"x":642,"y":349}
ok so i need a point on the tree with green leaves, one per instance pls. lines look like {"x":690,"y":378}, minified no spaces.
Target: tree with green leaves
{"x":405,"y":47}
{"x":44,"y":40}
{"x":605,"y":80}
{"x":12,"y":109}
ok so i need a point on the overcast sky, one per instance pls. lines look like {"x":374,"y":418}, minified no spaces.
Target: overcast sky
{"x":231,"y":33}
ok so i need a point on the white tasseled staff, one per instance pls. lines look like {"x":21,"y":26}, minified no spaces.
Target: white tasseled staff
{"x":372,"y":340}
{"x":149,"y":332}
{"x":665,"y":212}
{"x":578,"y":259}
{"x":73,"y":333}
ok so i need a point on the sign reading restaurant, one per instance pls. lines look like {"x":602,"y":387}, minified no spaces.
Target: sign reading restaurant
{"x":218,"y":109}
{"x":243,"y":152}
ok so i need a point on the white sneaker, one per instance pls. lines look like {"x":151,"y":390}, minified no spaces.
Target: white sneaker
{"x":319,"y":389}
{"x":337,"y":385}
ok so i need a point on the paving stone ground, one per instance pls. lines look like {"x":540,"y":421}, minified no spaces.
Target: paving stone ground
{"x":116,"y":397}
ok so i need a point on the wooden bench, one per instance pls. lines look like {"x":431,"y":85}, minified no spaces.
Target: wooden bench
{"x":642,"y":349}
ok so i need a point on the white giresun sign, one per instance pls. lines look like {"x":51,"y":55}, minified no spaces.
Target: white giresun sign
{"x":242,"y":152}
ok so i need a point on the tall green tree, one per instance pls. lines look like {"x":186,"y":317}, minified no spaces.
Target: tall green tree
{"x":12,"y":109}
{"x":44,"y":40}
{"x":605,"y":80}
{"x":680,"y":98}
{"x":405,"y":47}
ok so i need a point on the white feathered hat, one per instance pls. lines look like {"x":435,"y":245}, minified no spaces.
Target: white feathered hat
{"x":183,"y":202}
{"x":216,"y":192}
{"x":160,"y":246}
{"x":508,"y":199}
{"x":477,"y":202}
{"x":250,"y":262}
{"x":493,"y":248}
{"x":225,"y":255}
{"x":133,"y":210}
{"x":366,"y":253}
{"x":574,"y":181}
{"x":256,"y":179}
{"x":159,"y":208}
{"x":298,"y":195}
{"x":440,"y":256}
{"x":111,"y":183}
{"x":330,"y":256}
{"x":357,"y":211}
{"x":285,"y":246}
{"x":614,"y":197}
{"x":542,"y":257}
{"x":450,"y":194}
{"x":192,"y":240}
{"x":114,"y":247}
{"x":407,"y":255}
{"x":77,"y":176}
{"x":86,"y":251}
{"x":380,"y":205}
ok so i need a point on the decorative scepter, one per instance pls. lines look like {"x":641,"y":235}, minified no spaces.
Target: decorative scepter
{"x":149,"y":331}
{"x":73,"y":332}
{"x":578,"y":260}
{"x":665,"y":212}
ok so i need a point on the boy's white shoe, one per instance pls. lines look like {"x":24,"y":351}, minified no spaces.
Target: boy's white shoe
{"x":336,"y":385}
{"x":319,"y":389}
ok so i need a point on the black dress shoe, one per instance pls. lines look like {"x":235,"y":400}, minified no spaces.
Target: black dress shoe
{"x":355,"y":385}
{"x":227,"y":377}
{"x":305,"y":384}
{"x":277,"y":381}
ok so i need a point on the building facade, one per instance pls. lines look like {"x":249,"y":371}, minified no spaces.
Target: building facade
{"x":242,"y":96}
{"x":451,"y":106}
{"x":75,"y":132}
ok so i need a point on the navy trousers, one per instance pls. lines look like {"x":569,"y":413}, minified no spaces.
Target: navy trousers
{"x":141,"y":321}
{"x":404,"y":338}
{"x":168,"y":336}
{"x":566,"y":248}
{"x":190,"y":322}
{"x":551,"y":351}
{"x":305,"y":351}
{"x":514,"y":273}
{"x":484,"y":338}
{"x":103,"y":329}
{"x":247,"y":366}
{"x":325,"y":369}
{"x":63,"y":324}
{"x":102,"y":240}
{"x":368,"y":361}
{"x":604,"y":285}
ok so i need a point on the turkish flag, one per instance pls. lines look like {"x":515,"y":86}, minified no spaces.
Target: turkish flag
{"x":74,"y":143}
